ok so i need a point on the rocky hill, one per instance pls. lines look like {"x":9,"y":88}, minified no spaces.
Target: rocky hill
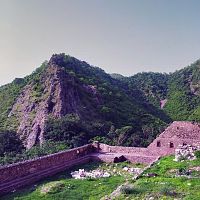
{"x":68,"y":100}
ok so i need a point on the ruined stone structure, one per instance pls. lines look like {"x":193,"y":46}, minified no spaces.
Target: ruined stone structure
{"x":20,"y":174}
{"x":186,"y":152}
{"x":178,"y":133}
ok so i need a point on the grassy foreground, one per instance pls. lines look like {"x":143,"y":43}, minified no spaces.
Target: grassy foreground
{"x":63,"y":187}
{"x":167,"y":179}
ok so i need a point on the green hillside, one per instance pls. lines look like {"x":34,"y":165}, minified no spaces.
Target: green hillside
{"x":93,"y":105}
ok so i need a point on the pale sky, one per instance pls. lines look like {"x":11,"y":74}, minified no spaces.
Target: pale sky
{"x":121,"y":36}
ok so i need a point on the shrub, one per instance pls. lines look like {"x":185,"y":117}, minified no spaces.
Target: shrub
{"x":197,"y":154}
{"x":168,"y":190}
{"x":9,"y":142}
{"x":52,"y":187}
{"x":127,"y":189}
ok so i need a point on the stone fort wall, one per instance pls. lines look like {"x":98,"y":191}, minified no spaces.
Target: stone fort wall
{"x":134,"y":154}
{"x":124,"y":150}
{"x":27,"y":172}
{"x":54,"y":163}
{"x":21,"y":169}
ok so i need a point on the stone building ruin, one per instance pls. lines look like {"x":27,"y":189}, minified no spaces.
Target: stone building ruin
{"x":178,"y":133}
{"x":23,"y":173}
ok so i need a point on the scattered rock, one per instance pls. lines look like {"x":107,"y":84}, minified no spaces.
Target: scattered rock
{"x":125,"y":168}
{"x":151,"y":175}
{"x":82,"y":174}
{"x":151,"y":198}
{"x":195,"y":168}
{"x":186,"y":152}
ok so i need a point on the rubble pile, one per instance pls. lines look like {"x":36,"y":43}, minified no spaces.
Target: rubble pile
{"x":132,"y":170}
{"x":82,"y":174}
{"x":102,"y":173}
{"x":186,"y":152}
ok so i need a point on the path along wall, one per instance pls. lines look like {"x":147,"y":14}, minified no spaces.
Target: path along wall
{"x":125,"y":150}
{"x":14,"y":171}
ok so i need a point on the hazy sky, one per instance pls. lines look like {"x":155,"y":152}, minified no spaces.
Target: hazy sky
{"x":122,"y":36}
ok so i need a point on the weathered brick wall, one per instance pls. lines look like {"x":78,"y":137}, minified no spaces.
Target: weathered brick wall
{"x":21,"y":169}
{"x":177,"y":133}
{"x":164,"y":148}
{"x":125,"y":150}
{"x":109,"y":158}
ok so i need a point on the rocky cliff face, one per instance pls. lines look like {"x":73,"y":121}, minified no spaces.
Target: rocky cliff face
{"x":59,"y":97}
{"x":40,"y":105}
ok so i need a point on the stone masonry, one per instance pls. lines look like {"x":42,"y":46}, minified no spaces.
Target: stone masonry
{"x":23,"y":173}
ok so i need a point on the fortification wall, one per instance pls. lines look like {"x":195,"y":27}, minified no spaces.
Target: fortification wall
{"x":14,"y":171}
{"x":109,"y":158}
{"x":124,"y":150}
{"x":32,"y":170}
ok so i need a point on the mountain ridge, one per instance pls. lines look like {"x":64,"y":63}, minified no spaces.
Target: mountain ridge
{"x":89,"y":104}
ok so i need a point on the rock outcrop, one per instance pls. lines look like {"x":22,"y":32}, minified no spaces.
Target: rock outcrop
{"x":59,"y":96}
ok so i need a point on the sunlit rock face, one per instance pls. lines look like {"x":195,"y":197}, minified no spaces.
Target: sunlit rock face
{"x":59,"y":95}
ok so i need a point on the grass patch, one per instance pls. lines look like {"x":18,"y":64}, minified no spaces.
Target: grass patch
{"x":128,"y":189}
{"x":62,"y":186}
{"x":163,"y":186}
{"x":166,"y":185}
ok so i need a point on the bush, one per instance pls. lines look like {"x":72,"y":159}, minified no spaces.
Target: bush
{"x":127,"y":189}
{"x":52,"y":187}
{"x":168,"y":190}
{"x":197,"y":154}
{"x":47,"y":148}
{"x":10,"y":142}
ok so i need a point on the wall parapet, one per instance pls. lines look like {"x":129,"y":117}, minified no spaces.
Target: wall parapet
{"x":17,"y":170}
{"x":124,"y":150}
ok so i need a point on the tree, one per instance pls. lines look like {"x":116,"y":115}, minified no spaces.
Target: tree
{"x":10,"y":142}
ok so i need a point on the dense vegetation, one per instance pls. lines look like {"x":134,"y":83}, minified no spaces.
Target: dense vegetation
{"x":9,"y":143}
{"x":183,"y":96}
{"x":153,"y":86}
{"x":122,"y":110}
{"x":12,"y":149}
{"x":180,"y":89}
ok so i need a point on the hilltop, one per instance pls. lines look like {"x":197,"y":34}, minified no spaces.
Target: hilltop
{"x":69,"y":102}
